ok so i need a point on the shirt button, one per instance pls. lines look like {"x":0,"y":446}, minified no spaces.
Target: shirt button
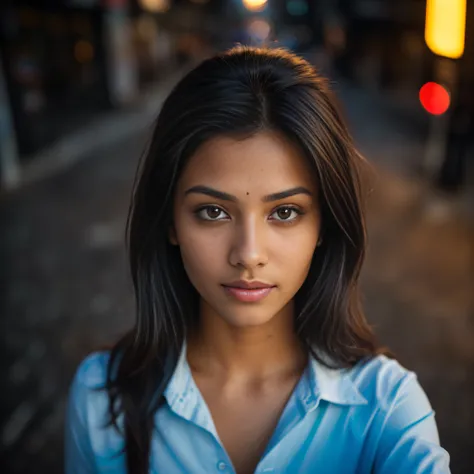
{"x":222,"y":466}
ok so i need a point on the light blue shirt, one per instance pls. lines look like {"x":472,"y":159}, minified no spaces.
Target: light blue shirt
{"x":371,"y":419}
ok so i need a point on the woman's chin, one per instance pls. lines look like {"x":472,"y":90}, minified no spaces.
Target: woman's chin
{"x":248,"y":318}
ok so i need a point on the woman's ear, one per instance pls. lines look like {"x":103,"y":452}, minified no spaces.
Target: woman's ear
{"x":172,"y":235}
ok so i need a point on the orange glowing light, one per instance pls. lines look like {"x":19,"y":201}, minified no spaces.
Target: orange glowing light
{"x":156,"y":6}
{"x":434,"y":98}
{"x":255,"y":5}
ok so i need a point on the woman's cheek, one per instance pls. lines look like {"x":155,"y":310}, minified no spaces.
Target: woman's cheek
{"x":201,"y":252}
{"x":299,"y":242}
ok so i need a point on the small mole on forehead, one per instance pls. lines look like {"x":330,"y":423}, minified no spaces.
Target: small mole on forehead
{"x":248,"y":193}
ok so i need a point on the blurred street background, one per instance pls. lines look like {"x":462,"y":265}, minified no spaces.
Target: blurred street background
{"x":81,"y":82}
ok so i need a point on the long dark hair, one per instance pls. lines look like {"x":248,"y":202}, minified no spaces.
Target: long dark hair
{"x":239,"y":93}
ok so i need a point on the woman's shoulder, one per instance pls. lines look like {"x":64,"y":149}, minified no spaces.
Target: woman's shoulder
{"x":381,"y":367}
{"x":88,"y":400}
{"x":91,"y":441}
{"x":92,"y":371}
{"x":381,"y":380}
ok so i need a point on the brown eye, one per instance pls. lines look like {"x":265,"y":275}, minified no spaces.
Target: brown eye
{"x":211,"y":213}
{"x":286,"y":214}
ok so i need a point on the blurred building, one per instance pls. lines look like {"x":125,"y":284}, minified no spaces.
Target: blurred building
{"x":380,"y":44}
{"x":457,"y":167}
{"x":55,"y":67}
{"x":64,"y":61}
{"x":383,"y":40}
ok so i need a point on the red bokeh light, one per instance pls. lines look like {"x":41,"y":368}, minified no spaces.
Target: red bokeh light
{"x":434,"y":98}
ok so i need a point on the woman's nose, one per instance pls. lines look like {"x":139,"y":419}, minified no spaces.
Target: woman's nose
{"x":249,"y":245}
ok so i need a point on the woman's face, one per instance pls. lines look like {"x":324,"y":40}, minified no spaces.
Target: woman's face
{"x":246,"y":214}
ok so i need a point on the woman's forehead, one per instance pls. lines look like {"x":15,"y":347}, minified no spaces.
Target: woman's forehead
{"x":262,"y":164}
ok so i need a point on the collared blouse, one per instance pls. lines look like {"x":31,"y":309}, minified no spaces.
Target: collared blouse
{"x":372,"y":418}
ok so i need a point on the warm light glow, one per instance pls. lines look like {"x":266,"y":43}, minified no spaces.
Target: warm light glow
{"x":155,"y":6}
{"x":445,"y":27}
{"x":434,"y":98}
{"x":255,"y":5}
{"x":259,"y":29}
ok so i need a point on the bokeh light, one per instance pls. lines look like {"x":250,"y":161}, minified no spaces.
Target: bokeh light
{"x":434,"y":98}
{"x":259,"y":29}
{"x":156,"y":6}
{"x":255,"y":5}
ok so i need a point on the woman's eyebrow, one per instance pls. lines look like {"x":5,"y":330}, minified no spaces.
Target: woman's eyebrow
{"x":287,"y":193}
{"x":229,"y":197}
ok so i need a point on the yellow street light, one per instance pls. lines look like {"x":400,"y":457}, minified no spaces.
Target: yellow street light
{"x":445,"y":27}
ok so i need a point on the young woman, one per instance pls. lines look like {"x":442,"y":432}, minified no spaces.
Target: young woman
{"x":250,"y":352}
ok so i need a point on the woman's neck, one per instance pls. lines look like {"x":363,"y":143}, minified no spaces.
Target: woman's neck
{"x":256,"y":352}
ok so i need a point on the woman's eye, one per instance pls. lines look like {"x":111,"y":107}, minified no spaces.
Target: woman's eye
{"x":286,"y":214}
{"x":211,"y":213}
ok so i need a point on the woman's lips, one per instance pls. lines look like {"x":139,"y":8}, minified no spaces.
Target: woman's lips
{"x":248,"y":295}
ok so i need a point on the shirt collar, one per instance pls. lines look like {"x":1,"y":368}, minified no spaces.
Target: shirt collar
{"x":333,"y":385}
{"x":179,"y":386}
{"x":183,"y":397}
{"x":318,"y":382}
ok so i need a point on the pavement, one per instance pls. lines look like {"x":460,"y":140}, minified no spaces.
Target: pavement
{"x":65,"y":288}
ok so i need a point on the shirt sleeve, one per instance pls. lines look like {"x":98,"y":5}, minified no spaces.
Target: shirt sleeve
{"x":409,"y":441}
{"x":78,"y":453}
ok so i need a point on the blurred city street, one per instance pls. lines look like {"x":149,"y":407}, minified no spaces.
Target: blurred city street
{"x":65,"y":290}
{"x":80,"y":85}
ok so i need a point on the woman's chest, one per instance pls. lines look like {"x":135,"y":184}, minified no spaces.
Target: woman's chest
{"x":245,"y":417}
{"x":245,"y":428}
